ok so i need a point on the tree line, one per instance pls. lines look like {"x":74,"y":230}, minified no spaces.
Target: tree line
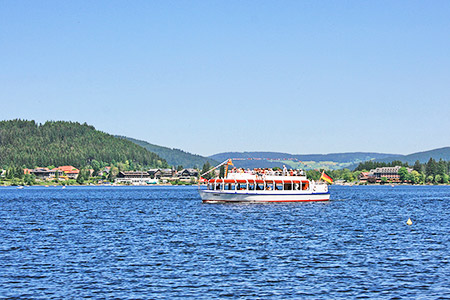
{"x":432,"y":172}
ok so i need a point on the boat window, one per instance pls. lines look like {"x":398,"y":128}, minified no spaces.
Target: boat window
{"x":269,"y":186}
{"x":260,"y":186}
{"x":229,"y":187}
{"x":251,"y":186}
{"x":288,"y":186}
{"x":218,"y":187}
{"x":305,"y":186}
{"x":242,"y":186}
{"x":279,"y":186}
{"x":210,"y":186}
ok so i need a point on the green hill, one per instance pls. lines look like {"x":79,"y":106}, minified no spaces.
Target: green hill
{"x":26,"y":143}
{"x":174,"y":157}
{"x":422,"y":157}
{"x":332,"y":161}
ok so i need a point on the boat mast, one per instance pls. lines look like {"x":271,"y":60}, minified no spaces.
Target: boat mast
{"x":226,"y":161}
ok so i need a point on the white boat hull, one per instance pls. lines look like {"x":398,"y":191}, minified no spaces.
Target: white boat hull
{"x":210,"y":196}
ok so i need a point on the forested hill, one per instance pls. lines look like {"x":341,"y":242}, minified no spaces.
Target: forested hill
{"x":174,"y":157}
{"x":58,"y":143}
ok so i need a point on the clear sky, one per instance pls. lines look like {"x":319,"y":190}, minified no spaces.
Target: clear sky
{"x":214,"y":76}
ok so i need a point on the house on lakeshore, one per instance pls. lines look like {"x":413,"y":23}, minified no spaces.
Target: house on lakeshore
{"x":391,"y":173}
{"x":46,"y":174}
{"x":104,"y":172}
{"x":69,"y":171}
{"x":168,"y":174}
{"x":133,"y":177}
{"x":187,"y":175}
{"x":163,"y":174}
{"x":367,"y":177}
{"x":41,"y":173}
{"x":153,"y":173}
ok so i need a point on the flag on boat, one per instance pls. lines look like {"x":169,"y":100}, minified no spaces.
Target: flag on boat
{"x":326,"y":177}
{"x":201,"y":179}
{"x":230,"y":163}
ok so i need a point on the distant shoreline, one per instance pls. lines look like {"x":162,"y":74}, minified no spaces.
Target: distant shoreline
{"x":178,"y":185}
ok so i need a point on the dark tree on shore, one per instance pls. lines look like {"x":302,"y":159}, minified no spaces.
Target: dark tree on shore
{"x":418,"y":166}
{"x":206,"y":168}
{"x":431,"y":167}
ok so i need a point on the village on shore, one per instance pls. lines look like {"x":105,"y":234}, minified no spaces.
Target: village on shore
{"x":69,"y":175}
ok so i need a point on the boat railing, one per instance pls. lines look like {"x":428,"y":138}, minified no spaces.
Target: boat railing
{"x":233,"y":184}
{"x":321,"y":182}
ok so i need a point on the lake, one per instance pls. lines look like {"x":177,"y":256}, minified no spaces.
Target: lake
{"x":163,"y":243}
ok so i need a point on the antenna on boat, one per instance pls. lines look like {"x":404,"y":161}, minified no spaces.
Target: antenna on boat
{"x":228,"y":161}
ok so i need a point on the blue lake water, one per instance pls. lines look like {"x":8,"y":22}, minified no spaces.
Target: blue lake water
{"x":163,"y":243}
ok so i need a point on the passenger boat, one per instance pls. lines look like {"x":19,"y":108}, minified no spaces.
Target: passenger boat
{"x":251,"y":188}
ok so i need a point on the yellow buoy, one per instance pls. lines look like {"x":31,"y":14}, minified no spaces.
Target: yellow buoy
{"x":409,"y":222}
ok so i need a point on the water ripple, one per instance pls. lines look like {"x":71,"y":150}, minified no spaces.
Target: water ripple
{"x":161,"y":242}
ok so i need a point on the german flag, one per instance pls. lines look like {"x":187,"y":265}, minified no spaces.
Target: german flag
{"x":326,"y":178}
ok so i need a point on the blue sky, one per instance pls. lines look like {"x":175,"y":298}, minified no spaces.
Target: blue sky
{"x":214,"y":76}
